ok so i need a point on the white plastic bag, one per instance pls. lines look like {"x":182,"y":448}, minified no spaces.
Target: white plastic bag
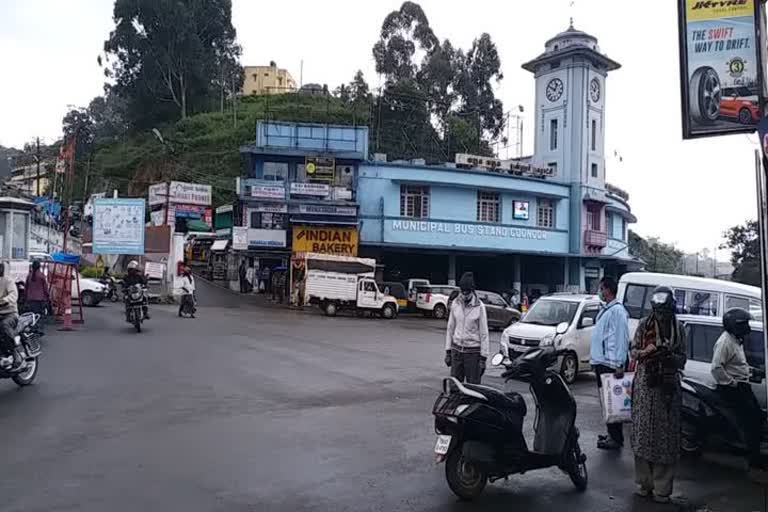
{"x":616,"y":397}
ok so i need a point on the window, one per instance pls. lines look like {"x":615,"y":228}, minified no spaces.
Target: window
{"x":701,"y":341}
{"x":754,"y":306}
{"x":488,"y":208}
{"x":553,"y":166}
{"x":697,"y":302}
{"x":493,"y":299}
{"x":414,"y":201}
{"x":553,"y":134}
{"x":589,"y":312}
{"x":369,"y":286}
{"x":594,"y":171}
{"x":637,"y":300}
{"x":609,"y":224}
{"x":623,"y":229}
{"x":593,"y":218}
{"x":275,"y":171}
{"x":19,"y":248}
{"x":261,"y":220}
{"x":594,"y":135}
{"x":753,"y":349}
{"x":545,"y":214}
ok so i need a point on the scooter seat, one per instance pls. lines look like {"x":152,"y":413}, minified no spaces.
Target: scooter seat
{"x":511,"y":401}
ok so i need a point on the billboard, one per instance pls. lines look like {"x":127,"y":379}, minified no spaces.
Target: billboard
{"x":720,"y":68}
{"x":189,"y":193}
{"x":325,"y":239}
{"x":158,"y":194}
{"x":118,"y":226}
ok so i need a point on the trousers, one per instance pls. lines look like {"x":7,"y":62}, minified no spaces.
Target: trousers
{"x":8,"y":324}
{"x":747,"y":409}
{"x":615,"y":430}
{"x":658,"y":478}
{"x":465,"y":366}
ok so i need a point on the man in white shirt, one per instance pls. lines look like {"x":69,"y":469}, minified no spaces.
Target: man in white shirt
{"x":188,"y":292}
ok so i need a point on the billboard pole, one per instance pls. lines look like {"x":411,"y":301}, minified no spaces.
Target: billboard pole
{"x":762,"y":221}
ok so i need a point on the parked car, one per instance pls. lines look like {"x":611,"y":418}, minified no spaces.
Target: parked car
{"x":92,"y":292}
{"x":432,"y":300}
{"x":538,"y":328}
{"x":397,"y":290}
{"x":740,"y":103}
{"x":701,"y":333}
{"x":412,"y":286}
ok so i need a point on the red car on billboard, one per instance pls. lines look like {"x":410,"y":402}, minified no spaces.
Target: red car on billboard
{"x":740,"y":103}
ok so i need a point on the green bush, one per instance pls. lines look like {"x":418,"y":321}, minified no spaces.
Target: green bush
{"x":90,"y":272}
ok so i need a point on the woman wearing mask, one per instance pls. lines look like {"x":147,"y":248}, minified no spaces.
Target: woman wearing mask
{"x":36,"y":288}
{"x":659,"y":349}
{"x":466,"y":339}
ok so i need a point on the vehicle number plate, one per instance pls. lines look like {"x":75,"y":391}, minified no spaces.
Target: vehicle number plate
{"x":442,"y":445}
{"x":519,"y":348}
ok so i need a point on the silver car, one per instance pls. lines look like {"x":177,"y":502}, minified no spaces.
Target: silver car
{"x":702,"y":332}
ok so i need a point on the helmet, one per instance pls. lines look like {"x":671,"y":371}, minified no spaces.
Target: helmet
{"x":736,"y":322}
{"x":663,"y":300}
{"x":133,"y":265}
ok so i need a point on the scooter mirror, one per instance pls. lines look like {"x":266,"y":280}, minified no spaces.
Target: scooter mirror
{"x":497,"y":359}
{"x":562,"y":327}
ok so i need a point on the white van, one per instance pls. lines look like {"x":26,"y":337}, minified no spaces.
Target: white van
{"x":695,"y":296}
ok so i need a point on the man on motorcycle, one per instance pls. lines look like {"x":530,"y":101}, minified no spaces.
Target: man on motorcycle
{"x":135,"y":277}
{"x":731,"y":372}
{"x":9,"y":318}
{"x":188,"y":289}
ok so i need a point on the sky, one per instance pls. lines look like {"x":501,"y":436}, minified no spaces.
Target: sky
{"x":685,"y":192}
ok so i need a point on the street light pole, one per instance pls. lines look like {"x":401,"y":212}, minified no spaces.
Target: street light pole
{"x":37,"y":159}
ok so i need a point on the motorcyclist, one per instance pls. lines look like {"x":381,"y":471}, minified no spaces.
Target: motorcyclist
{"x":135,"y":277}
{"x":731,"y":372}
{"x":9,"y":319}
{"x":188,"y":289}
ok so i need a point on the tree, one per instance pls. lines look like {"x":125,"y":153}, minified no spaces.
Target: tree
{"x":744,"y":242}
{"x":438,"y":77}
{"x":167,"y":55}
{"x":477,"y":71}
{"x":657,"y":255}
{"x":402,"y":32}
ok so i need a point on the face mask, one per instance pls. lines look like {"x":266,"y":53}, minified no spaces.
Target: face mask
{"x":601,"y":296}
{"x":467,"y":296}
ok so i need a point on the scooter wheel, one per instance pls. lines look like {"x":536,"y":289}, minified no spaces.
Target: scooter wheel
{"x":577,"y":469}
{"x":465,"y":479}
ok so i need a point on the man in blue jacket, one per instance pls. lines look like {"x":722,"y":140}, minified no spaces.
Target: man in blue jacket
{"x":610,"y":347}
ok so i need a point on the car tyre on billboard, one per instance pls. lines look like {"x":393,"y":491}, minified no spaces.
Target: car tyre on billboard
{"x":705,"y":95}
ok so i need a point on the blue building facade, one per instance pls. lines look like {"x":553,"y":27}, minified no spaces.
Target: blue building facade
{"x":546,"y":223}
{"x":298,"y":183}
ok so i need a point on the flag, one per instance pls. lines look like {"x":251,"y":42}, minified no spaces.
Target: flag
{"x":66,"y":156}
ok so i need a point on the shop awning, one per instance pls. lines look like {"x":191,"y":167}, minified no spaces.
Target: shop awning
{"x":335,"y":222}
{"x":220,"y":245}
{"x":198,"y":225}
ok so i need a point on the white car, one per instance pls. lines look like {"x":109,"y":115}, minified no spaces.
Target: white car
{"x":432,"y":300}
{"x":538,"y":328}
{"x":92,"y":292}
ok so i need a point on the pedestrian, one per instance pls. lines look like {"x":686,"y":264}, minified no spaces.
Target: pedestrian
{"x":250,"y":277}
{"x":242,"y":272}
{"x":280,"y":281}
{"x":188,"y":293}
{"x":660,"y":352}
{"x":731,"y":373}
{"x":466,"y":338}
{"x":266,"y":277}
{"x":609,"y":350}
{"x":36,"y":288}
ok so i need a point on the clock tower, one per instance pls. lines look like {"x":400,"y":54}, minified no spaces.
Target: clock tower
{"x":570,"y":127}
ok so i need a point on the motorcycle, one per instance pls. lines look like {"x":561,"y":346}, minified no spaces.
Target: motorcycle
{"x":480,"y":429}
{"x":709,"y":422}
{"x":113,"y":291}
{"x":135,"y":302}
{"x":27,"y":350}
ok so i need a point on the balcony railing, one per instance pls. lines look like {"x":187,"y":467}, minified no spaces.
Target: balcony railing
{"x":594,"y":238}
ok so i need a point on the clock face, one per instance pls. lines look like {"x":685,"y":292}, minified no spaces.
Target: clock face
{"x":554,"y":89}
{"x":594,"y":90}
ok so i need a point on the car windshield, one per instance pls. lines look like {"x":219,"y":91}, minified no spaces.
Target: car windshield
{"x":551,"y":312}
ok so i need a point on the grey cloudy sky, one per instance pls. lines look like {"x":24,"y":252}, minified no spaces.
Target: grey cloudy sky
{"x":684,"y":192}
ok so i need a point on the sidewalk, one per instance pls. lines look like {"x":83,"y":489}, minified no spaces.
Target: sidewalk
{"x":213,"y":294}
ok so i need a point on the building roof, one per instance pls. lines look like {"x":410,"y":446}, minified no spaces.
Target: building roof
{"x":568,"y":43}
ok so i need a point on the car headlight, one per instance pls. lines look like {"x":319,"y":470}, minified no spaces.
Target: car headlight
{"x":547,"y":340}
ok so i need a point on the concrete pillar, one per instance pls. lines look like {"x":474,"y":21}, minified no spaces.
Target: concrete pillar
{"x":517,"y":283}
{"x":566,"y":273}
{"x":452,"y":269}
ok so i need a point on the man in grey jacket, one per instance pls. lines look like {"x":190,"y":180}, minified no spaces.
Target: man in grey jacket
{"x":466,"y":339}
{"x":9,"y":318}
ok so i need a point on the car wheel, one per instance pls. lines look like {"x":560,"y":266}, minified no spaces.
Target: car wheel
{"x":439,"y":312}
{"x":388,"y":311}
{"x":88,"y":299}
{"x":704,"y":95}
{"x":331,"y":309}
{"x":569,"y":369}
{"x":745,"y":116}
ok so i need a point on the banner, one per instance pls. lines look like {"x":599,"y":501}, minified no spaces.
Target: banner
{"x":189,"y":193}
{"x":118,"y":226}
{"x":158,"y":194}
{"x":320,"y":168}
{"x":720,"y":68}
{"x":310,"y":189}
{"x":325,"y":240}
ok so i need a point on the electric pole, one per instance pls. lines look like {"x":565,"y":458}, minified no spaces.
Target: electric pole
{"x":37,"y":161}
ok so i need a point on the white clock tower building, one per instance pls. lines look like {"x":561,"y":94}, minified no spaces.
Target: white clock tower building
{"x":569,"y":129}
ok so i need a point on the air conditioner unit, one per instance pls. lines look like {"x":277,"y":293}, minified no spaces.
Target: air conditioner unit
{"x":379,"y":157}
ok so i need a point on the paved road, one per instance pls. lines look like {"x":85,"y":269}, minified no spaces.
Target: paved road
{"x":263,"y":409}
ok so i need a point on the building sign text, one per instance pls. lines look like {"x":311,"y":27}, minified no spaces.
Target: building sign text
{"x":461,"y":228}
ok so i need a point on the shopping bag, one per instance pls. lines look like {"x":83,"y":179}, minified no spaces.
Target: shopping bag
{"x":616,"y":397}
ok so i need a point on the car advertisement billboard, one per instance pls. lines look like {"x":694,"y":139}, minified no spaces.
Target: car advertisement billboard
{"x":720,"y":68}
